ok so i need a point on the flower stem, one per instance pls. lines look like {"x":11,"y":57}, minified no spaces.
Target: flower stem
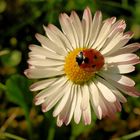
{"x":9,"y":135}
{"x":51,"y":132}
{"x":8,"y":121}
{"x":129,"y":136}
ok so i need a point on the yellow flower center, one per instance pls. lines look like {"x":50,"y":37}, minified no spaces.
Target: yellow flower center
{"x":81,"y":64}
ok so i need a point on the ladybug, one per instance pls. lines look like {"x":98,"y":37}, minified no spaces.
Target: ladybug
{"x":90,"y":60}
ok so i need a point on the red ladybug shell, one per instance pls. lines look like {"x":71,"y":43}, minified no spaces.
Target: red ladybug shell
{"x":90,"y":60}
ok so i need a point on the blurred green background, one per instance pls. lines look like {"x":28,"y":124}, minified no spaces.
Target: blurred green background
{"x":20,"y":119}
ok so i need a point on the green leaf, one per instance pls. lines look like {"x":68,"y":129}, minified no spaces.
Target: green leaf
{"x":2,"y":87}
{"x":11,"y":59}
{"x":18,"y":93}
{"x":137,"y":12}
{"x":17,"y":90}
{"x":79,"y":129}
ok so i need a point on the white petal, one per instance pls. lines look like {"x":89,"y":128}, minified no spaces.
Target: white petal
{"x":52,"y":89}
{"x":104,"y":32}
{"x":97,"y":109}
{"x":86,"y":22}
{"x":120,"y":69}
{"x":78,"y":27}
{"x":111,"y":109}
{"x":39,"y":102}
{"x":104,"y":106}
{"x":56,"y":31}
{"x":87,"y":115}
{"x":52,"y":100}
{"x":106,"y":92}
{"x":111,"y":38}
{"x":120,"y":24}
{"x":38,"y":51}
{"x":120,"y":97}
{"x":85,"y":97}
{"x":99,"y":112}
{"x":131,"y":62}
{"x":55,"y":38}
{"x":96,"y":24}
{"x":35,"y":55}
{"x":67,"y":29}
{"x":118,"y":106}
{"x":64,"y":114}
{"x":42,"y":84}
{"x":121,"y":58}
{"x":71,"y":111}
{"x":42,"y":73}
{"x":45,"y":62}
{"x":75,"y":33}
{"x":127,"y":49}
{"x":50,"y":68}
{"x":63,"y":101}
{"x":59,"y":122}
{"x":77,"y":112}
{"x":129,"y":90}
{"x":122,"y":79}
{"x":114,"y":40}
{"x":94,"y":93}
{"x":48,"y":44}
{"x":114,"y":90}
{"x":109,"y":50}
{"x":102,"y":109}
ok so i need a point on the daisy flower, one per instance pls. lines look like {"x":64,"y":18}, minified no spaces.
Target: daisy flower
{"x":82,"y":67}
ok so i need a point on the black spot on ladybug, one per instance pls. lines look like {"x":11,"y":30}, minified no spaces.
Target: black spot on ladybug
{"x":79,"y":58}
{"x":86,"y":60}
{"x":93,"y":66}
{"x":95,"y":57}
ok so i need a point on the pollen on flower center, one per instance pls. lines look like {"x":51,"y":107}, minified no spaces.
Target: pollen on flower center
{"x":81,"y":64}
